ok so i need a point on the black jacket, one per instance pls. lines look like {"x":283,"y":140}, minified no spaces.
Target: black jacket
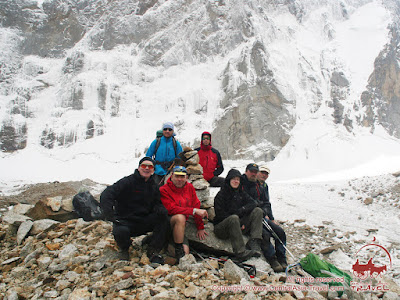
{"x":231,"y":201}
{"x":259,"y":193}
{"x":131,"y":199}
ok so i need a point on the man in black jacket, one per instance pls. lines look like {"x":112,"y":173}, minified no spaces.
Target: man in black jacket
{"x":254,"y":184}
{"x":236,"y":213}
{"x":133,"y":204}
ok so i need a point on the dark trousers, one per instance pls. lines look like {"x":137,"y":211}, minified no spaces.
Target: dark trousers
{"x":124,"y":230}
{"x":230,"y":228}
{"x":266,"y":245}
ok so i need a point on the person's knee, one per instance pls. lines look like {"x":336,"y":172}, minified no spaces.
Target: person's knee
{"x":179,"y":220}
{"x":257,"y":212}
{"x":233,"y":221}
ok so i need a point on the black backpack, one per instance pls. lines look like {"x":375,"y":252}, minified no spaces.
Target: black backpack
{"x":87,"y":207}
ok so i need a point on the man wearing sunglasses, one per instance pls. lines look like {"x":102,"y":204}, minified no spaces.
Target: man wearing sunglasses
{"x":180,"y":199}
{"x":164,"y":150}
{"x":211,"y":161}
{"x":133,"y":204}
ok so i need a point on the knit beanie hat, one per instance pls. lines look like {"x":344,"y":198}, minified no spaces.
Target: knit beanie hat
{"x":147,"y":158}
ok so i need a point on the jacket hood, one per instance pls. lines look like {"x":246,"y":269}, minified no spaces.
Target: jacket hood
{"x":231,"y":174}
{"x":201,"y":143}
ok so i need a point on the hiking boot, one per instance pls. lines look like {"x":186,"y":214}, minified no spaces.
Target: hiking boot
{"x":157,"y":259}
{"x":155,"y":256}
{"x":179,"y":252}
{"x":123,"y":255}
{"x":254,"y":244}
{"x":283,"y":262}
{"x":147,"y":239}
{"x":275,"y":265}
{"x":247,"y":254}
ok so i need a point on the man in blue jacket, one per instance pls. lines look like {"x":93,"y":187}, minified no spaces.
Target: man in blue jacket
{"x":164,"y":150}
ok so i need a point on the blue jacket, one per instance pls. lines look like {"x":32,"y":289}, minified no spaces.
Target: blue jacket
{"x":165,"y":153}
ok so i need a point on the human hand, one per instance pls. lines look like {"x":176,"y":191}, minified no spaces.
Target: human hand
{"x":201,"y":234}
{"x":202,"y":213}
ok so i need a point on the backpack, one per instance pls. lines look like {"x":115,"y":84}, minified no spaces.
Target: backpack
{"x":87,"y":207}
{"x":318,"y":268}
{"x":158,"y":145}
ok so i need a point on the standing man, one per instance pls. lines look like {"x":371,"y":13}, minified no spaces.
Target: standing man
{"x":211,"y":161}
{"x":271,"y":254}
{"x":164,"y":150}
{"x":133,"y":204}
{"x":180,"y":199}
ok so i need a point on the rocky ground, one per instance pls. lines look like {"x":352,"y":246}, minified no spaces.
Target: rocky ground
{"x":78,"y":260}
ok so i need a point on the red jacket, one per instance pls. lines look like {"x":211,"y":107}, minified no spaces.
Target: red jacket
{"x":210,"y":159}
{"x":181,"y":201}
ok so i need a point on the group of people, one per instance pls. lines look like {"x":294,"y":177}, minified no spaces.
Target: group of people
{"x":140,"y":203}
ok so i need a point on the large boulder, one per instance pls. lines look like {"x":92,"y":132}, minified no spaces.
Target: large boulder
{"x":42,"y":210}
{"x":211,"y":244}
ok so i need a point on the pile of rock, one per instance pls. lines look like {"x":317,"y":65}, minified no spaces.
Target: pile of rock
{"x":43,"y":259}
{"x":78,"y":260}
{"x":195,"y":172}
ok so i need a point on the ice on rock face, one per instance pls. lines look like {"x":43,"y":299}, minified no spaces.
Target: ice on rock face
{"x":272,"y":83}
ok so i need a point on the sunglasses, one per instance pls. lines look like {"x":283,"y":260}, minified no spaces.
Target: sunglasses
{"x":206,"y":138}
{"x":168,"y":129}
{"x":144,"y":166}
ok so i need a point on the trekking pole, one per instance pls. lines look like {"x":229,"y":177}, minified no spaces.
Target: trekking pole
{"x":250,"y":269}
{"x":168,"y":170}
{"x":265,"y":223}
{"x":202,"y":258}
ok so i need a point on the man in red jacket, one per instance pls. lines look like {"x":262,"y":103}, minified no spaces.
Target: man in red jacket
{"x":211,"y":161}
{"x":180,"y":199}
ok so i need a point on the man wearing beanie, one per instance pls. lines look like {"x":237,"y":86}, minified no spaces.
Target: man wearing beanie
{"x":211,"y":161}
{"x":133,"y":204}
{"x":164,"y":150}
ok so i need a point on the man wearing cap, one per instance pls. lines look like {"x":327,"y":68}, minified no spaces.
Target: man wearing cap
{"x":180,"y":199}
{"x":211,"y":161}
{"x":164,"y":150}
{"x":277,"y":256}
{"x":133,"y":204}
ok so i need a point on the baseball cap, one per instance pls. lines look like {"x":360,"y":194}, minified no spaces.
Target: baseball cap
{"x":252,"y":167}
{"x":264,"y":169}
{"x":179,"y":170}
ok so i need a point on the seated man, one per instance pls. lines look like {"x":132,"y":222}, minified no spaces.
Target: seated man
{"x":257,"y":192}
{"x":211,"y":161}
{"x":133,"y":204}
{"x":180,"y":199}
{"x":265,"y":204}
{"x":237,"y":212}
